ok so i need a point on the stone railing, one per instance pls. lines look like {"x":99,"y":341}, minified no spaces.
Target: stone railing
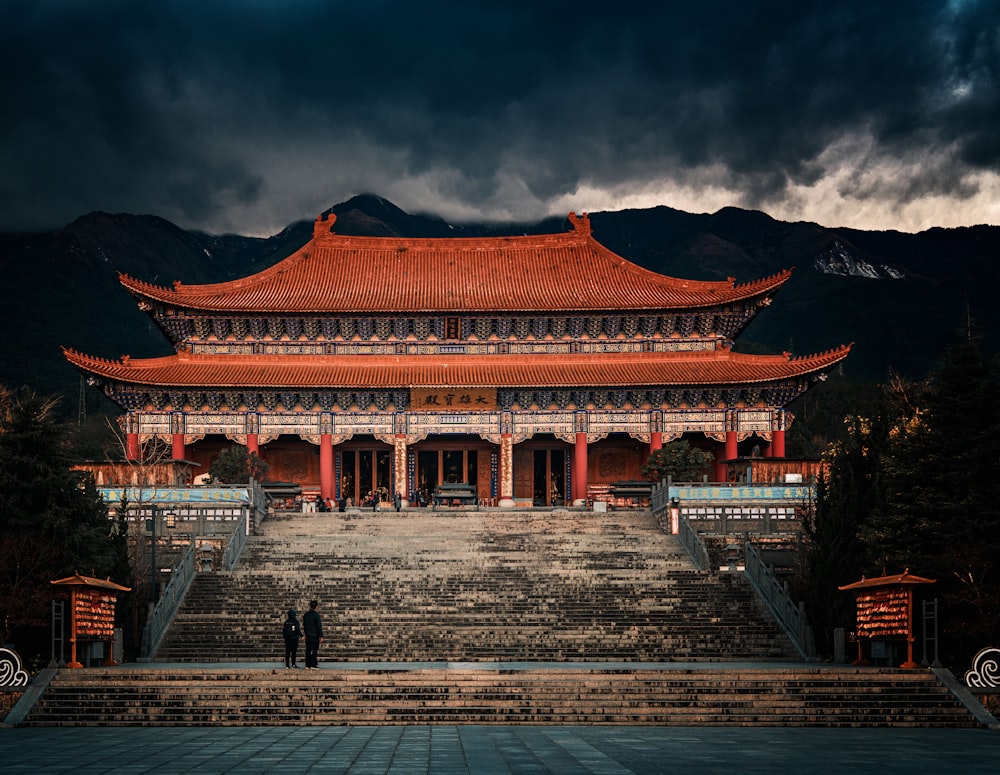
{"x":786,"y":612}
{"x":659,"y":499}
{"x":258,"y":499}
{"x":694,"y":545}
{"x":236,"y":542}
{"x":166,"y":607}
{"x":162,"y":614}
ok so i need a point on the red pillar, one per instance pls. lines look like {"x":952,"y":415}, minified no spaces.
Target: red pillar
{"x":177,"y":447}
{"x":777,"y":448}
{"x":723,"y":453}
{"x":720,"y":462}
{"x":732,"y":452}
{"x":253,"y":446}
{"x":132,"y":448}
{"x":580,"y":467}
{"x":655,"y":441}
{"x":326,"y":466}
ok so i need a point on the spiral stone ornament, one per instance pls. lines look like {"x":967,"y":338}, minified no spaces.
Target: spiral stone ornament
{"x":11,"y":672}
{"x":985,"y":672}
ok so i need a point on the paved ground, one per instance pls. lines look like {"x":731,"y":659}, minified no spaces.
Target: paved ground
{"x":493,"y":750}
{"x":480,"y":750}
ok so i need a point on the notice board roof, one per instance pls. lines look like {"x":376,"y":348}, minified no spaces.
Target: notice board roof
{"x":904,"y":579}
{"x":76,"y":580}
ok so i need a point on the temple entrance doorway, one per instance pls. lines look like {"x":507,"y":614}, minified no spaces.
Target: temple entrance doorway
{"x":440,"y":466}
{"x":366,"y":474}
{"x":540,"y":475}
{"x":549,"y":477}
{"x":452,"y":460}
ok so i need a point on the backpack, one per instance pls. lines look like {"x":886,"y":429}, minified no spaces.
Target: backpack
{"x":292,"y":629}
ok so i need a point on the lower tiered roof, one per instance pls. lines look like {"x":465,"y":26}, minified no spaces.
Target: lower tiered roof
{"x":556,"y":370}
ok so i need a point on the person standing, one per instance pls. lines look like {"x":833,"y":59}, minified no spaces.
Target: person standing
{"x":291,"y":631}
{"x":312,"y":626}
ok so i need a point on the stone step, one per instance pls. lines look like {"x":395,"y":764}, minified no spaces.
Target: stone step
{"x":478,"y":589}
{"x":495,"y":585}
{"x":780,"y":696}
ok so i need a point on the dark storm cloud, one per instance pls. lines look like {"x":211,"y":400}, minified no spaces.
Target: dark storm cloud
{"x":245,"y":114}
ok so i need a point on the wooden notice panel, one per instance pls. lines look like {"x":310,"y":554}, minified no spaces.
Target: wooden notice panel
{"x":95,"y":614}
{"x":883,"y":613}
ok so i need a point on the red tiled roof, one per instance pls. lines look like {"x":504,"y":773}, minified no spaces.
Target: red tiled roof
{"x":719,"y":367}
{"x":904,"y":579}
{"x":569,"y":272}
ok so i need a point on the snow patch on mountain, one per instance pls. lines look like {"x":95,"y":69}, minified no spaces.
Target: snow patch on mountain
{"x":839,"y":260}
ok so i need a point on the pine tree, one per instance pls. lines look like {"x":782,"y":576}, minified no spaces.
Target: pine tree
{"x":845,"y":496}
{"x":235,"y":465}
{"x":942,"y":498}
{"x":678,"y":460}
{"x":53,"y":522}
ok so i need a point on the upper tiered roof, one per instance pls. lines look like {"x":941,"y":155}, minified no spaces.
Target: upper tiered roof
{"x":569,"y":272}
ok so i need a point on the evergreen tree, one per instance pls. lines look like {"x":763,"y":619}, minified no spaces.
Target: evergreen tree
{"x":942,"y":496}
{"x":235,"y":465}
{"x":53,"y":522}
{"x":845,"y":496}
{"x":819,"y":414}
{"x":678,"y":460}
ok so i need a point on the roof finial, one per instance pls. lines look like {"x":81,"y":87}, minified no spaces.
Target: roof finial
{"x":322,"y":227}
{"x":580,"y":223}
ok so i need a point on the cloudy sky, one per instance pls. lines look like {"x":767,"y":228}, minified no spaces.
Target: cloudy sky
{"x":244,"y":115}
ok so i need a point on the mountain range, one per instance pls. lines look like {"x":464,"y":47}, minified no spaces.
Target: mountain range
{"x":900,"y":298}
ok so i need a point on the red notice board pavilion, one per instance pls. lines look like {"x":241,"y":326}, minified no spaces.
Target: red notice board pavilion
{"x":885,"y":610}
{"x":92,"y":612}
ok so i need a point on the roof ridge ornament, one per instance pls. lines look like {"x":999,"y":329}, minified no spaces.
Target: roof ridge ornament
{"x":580,"y":223}
{"x":323,"y":226}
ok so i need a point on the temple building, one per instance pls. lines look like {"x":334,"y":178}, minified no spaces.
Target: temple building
{"x":538,"y":369}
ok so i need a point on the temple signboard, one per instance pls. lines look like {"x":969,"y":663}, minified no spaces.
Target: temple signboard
{"x":450,"y":399}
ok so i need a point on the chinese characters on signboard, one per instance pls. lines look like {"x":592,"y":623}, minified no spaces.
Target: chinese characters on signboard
{"x":883,"y":613}
{"x":452,"y":399}
{"x":95,"y":614}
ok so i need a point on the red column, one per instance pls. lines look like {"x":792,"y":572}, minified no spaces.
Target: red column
{"x":580,"y":467}
{"x":720,"y":462}
{"x":132,"y":448}
{"x":177,"y":447}
{"x":252,"y":444}
{"x":732,"y":452}
{"x":326,"y":466}
{"x":655,"y":441}
{"x":777,"y":448}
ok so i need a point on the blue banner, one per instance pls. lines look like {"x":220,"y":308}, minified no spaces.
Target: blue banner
{"x":151,"y":495}
{"x":766,"y":492}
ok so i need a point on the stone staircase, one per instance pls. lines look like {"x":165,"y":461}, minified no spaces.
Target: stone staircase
{"x":474,"y":586}
{"x":484,"y":617}
{"x":710,"y":695}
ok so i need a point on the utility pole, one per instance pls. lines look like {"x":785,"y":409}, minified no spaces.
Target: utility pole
{"x":81,"y":416}
{"x":154,"y":592}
